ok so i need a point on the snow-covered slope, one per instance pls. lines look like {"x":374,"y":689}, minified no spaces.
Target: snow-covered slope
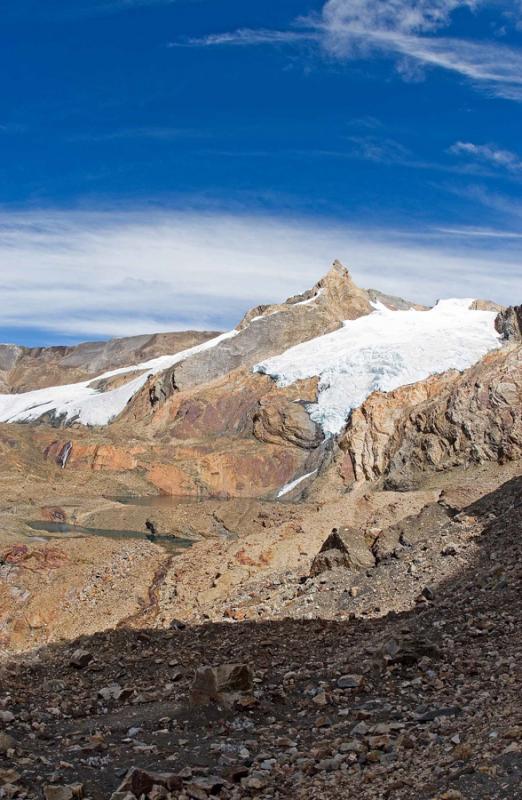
{"x":85,"y":403}
{"x":382,"y":351}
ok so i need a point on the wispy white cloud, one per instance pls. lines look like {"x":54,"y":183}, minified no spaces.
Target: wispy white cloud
{"x":247,"y":37}
{"x":393,"y":16}
{"x":407,"y":30}
{"x":494,"y":68}
{"x":149,"y":132}
{"x":380,"y":150}
{"x":481,"y":233}
{"x":106,"y":274}
{"x":488,"y":153}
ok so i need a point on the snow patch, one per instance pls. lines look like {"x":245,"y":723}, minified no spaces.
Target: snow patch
{"x":264,"y":316}
{"x":289,"y":486}
{"x":289,"y":305}
{"x":83,"y":403}
{"x":382,"y":351}
{"x":310,"y":300}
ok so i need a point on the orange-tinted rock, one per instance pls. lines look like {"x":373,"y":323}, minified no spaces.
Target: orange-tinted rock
{"x":92,"y":456}
{"x":171,"y":480}
{"x":243,"y":471}
{"x":113,"y":458}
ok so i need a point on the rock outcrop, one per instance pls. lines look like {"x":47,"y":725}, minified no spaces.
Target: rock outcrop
{"x":347,"y":548}
{"x":509,"y":323}
{"x":448,"y":421}
{"x":279,"y":420}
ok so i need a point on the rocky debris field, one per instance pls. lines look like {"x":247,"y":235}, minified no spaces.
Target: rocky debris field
{"x":391,"y":554}
{"x":415,"y":705}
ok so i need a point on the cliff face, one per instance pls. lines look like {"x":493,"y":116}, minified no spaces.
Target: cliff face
{"x":509,"y":323}
{"x":447,"y":421}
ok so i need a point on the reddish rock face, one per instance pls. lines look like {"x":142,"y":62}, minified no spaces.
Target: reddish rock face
{"x":224,"y":408}
{"x":347,"y":470}
{"x":171,"y":480}
{"x":247,"y":471}
{"x":91,"y":456}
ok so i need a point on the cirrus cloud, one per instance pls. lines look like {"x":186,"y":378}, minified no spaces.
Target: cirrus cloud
{"x":489,"y":153}
{"x":405,"y":30}
{"x":85,"y":274}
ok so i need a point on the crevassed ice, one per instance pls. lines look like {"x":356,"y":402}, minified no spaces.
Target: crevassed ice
{"x":382,"y":351}
{"x":86,"y":404}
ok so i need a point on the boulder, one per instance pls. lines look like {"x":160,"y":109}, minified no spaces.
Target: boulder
{"x":328,"y":561}
{"x":80,"y":658}
{"x":141,"y":782}
{"x":7,"y":742}
{"x":220,"y":684}
{"x":73,"y":791}
{"x":346,"y":548}
{"x":115,"y":692}
{"x":408,"y":650}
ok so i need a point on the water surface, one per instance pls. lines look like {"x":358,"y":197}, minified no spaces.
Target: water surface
{"x":63,"y":529}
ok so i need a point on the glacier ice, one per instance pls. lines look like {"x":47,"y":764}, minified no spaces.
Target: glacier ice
{"x":382,"y":351}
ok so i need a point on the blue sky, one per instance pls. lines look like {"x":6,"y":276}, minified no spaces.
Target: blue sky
{"x":167,"y":164}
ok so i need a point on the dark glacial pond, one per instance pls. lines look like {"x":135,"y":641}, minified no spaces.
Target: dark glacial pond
{"x":156,"y":500}
{"x":61,"y":529}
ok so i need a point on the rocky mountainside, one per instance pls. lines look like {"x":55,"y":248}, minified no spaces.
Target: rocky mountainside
{"x":277,"y":562}
{"x":26,"y":368}
{"x":211,"y":419}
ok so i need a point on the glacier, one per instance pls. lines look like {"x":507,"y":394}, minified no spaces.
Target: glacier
{"x":382,"y":351}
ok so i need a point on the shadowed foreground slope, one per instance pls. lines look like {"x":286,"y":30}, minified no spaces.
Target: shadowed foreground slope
{"x":435,"y":712}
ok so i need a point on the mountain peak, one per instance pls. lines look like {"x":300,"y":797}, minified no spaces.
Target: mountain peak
{"x":336,"y":272}
{"x":347,"y":299}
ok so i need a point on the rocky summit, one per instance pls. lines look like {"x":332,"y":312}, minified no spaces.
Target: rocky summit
{"x":280,"y":561}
